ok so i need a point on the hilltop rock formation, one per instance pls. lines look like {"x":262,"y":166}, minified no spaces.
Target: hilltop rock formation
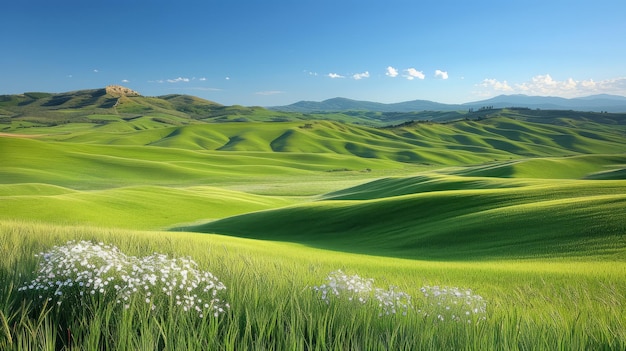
{"x":118,"y":91}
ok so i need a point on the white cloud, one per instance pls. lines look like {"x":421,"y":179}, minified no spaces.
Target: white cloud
{"x":95,"y":71}
{"x":391,"y":72}
{"x":358,"y":76}
{"x":335,"y":75}
{"x":588,"y":84}
{"x":413,"y":73}
{"x":178,"y":80}
{"x":545,"y":85}
{"x":125,"y":81}
{"x":202,"y":79}
{"x":269,"y":92}
{"x":441,"y":74}
{"x":496,"y":85}
{"x":227,"y":78}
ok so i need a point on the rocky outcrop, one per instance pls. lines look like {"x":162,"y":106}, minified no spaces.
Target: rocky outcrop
{"x":118,"y":91}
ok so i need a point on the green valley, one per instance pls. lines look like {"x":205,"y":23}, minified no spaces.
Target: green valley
{"x":525,"y":207}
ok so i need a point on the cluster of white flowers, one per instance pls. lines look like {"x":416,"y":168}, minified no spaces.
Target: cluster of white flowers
{"x":445,"y":303}
{"x":391,"y":301}
{"x":341,"y":286}
{"x":78,"y":269}
{"x":451,"y":303}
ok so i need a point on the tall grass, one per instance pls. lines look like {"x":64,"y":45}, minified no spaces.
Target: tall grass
{"x":530,"y":304}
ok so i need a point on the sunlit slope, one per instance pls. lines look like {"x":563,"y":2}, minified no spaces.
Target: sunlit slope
{"x":477,"y":218}
{"x":84,"y":166}
{"x":595,"y":166}
{"x":518,"y":174}
{"x":463,"y":142}
{"x":138,"y":207}
{"x":617,"y":173}
{"x":518,"y":137}
{"x":427,"y":182}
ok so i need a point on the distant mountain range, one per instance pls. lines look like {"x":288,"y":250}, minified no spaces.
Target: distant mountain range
{"x":597,"y":103}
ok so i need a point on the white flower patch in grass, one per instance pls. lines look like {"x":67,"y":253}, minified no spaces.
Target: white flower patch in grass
{"x":76,"y":270}
{"x":392,"y":301}
{"x":342,"y":287}
{"x":452,"y":304}
{"x":442,"y":303}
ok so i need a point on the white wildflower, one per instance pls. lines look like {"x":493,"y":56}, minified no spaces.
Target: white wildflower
{"x":82,"y":268}
{"x":451,"y":303}
{"x":340,"y":286}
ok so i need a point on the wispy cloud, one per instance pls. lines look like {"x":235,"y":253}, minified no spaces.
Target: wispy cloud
{"x":412,"y":73}
{"x":545,"y":85}
{"x":269,"y":92}
{"x":335,"y":75}
{"x":125,"y":81}
{"x":95,"y":71}
{"x":391,"y":72}
{"x":178,"y":80}
{"x":441,"y":74}
{"x":359,"y":76}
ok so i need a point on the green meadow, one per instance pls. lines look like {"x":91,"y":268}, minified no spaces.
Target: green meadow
{"x":528,"y":213}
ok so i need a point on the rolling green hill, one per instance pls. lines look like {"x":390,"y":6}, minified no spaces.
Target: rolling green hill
{"x":495,"y":183}
{"x":451,"y":218}
{"x":461,"y":142}
{"x":117,"y":104}
{"x":85,"y":166}
{"x":135,"y":207}
{"x":114,"y":104}
{"x":81,"y":156}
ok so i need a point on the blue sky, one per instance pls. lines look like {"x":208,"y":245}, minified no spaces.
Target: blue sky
{"x":278,"y":52}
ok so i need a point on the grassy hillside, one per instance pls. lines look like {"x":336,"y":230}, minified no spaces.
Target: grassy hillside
{"x":84,"y":166}
{"x":582,"y":166}
{"x":462,"y":142}
{"x":102,"y":107}
{"x":137,"y":207}
{"x":451,"y":218}
{"x":128,"y":160}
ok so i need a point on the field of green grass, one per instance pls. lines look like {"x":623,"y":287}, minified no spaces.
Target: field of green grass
{"x":545,"y":303}
{"x":529,"y":215}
